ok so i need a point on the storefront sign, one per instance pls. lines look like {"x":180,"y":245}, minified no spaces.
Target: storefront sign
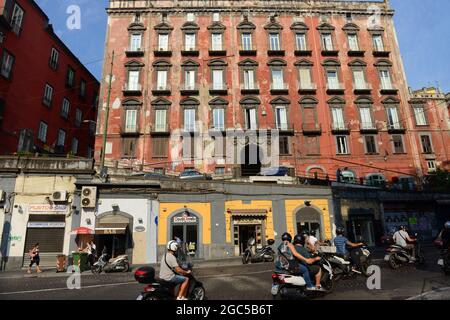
{"x":185,"y":219}
{"x":413,"y":221}
{"x":15,"y":238}
{"x":46,"y":224}
{"x":139,"y":229}
{"x":47,"y":208}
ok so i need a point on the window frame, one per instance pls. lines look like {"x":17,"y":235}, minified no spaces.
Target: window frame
{"x":48,"y":102}
{"x":58,"y":138}
{"x":65,"y":115}
{"x":338,"y":145}
{"x":402,"y":142}
{"x":375,"y":144}
{"x":430,"y":143}
{"x":7,"y":54}
{"x":44,"y":140}
{"x":17,"y":29}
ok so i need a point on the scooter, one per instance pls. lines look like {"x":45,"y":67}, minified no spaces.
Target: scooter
{"x":254,"y":255}
{"x":396,"y":256}
{"x":287,"y":286}
{"x":119,"y":263}
{"x":158,"y":289}
{"x":444,"y":261}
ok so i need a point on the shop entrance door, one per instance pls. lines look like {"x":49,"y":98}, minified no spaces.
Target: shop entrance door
{"x":188,"y":233}
{"x":116,"y":244}
{"x":363,"y":230}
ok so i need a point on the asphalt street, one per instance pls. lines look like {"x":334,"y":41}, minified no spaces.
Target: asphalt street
{"x":238,"y":282}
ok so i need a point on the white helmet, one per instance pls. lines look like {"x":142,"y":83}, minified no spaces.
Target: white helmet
{"x":447,"y":225}
{"x":172,"y":245}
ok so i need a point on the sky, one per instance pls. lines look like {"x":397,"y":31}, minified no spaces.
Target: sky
{"x":423,"y":30}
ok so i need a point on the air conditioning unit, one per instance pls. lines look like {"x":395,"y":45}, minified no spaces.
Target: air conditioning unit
{"x":59,"y":196}
{"x":2,"y":195}
{"x":88,"y":197}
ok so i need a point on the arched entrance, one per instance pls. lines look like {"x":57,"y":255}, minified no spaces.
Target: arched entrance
{"x":185,"y":225}
{"x":251,"y":156}
{"x":308,"y":219}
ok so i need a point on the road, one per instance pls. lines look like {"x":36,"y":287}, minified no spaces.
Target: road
{"x":249,"y":282}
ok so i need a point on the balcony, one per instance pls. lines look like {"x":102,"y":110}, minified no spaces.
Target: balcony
{"x":129,"y":130}
{"x":356,"y":52}
{"x":362,"y":88}
{"x":330,"y":52}
{"x":161,"y":90}
{"x":218,"y":89}
{"x":162,"y":51}
{"x":335,"y":88}
{"x":189,"y":89}
{"x":217,"y":52}
{"x":340,"y":128}
{"x":303,"y":52}
{"x":311,"y":129}
{"x":247,"y":89}
{"x":381,"y":51}
{"x":309,"y":88}
{"x":247,"y":50}
{"x":388,"y":90}
{"x":189,"y":51}
{"x":367,"y":127}
{"x":279,"y":88}
{"x":285,"y":128}
{"x":276,"y":52}
{"x":159,"y":129}
{"x":132,"y":89}
{"x":134,"y":52}
{"x":396,"y":127}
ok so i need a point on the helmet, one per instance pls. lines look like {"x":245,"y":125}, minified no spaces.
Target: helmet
{"x":447,"y":225}
{"x":172,"y":245}
{"x":340,"y":231}
{"x":300,"y":239}
{"x":286,"y":237}
{"x":402,"y":228}
{"x":312,"y":233}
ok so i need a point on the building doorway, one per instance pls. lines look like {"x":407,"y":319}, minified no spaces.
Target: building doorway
{"x":246,"y":227}
{"x":309,"y":219}
{"x":362,"y":229}
{"x":185,"y":226}
{"x":250,"y":160}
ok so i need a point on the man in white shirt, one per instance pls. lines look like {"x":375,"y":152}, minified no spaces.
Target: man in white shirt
{"x":401,"y":238}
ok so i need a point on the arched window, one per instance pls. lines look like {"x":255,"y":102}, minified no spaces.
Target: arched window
{"x":306,"y":83}
{"x":352,"y":31}
{"x":218,"y":77}
{"x":246,"y":30}
{"x":136,"y":46}
{"x":190,"y":32}
{"x":278,"y":84}
{"x":217,"y":30}
{"x":273,"y":30}
{"x":300,"y":31}
{"x":161,"y":71}
{"x":250,"y":108}
{"x":163,"y":31}
{"x":249,"y":80}
{"x":329,"y":47}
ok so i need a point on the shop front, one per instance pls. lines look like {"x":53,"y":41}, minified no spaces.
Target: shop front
{"x":246,"y":224}
{"x":185,"y":226}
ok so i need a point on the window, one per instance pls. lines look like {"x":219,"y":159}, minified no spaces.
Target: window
{"x":65,"y":109}
{"x":74,"y":146}
{"x":189,"y":41}
{"x":327,"y":42}
{"x":131,"y":120}
{"x":359,"y":78}
{"x":249,"y":79}
{"x":189,"y":120}
{"x":300,"y":41}
{"x":366,"y":118}
{"x":277,"y":79}
{"x":128,"y":147}
{"x":7,"y":64}
{"x":161,"y":120}
{"x":393,"y":119}
{"x":219,"y":119}
{"x":342,"y":146}
{"x":82,"y":88}
{"x":332,"y":79}
{"x":425,"y":140}
{"x":70,"y":77}
{"x":133,"y":80}
{"x":54,"y":55}
{"x":385,"y":79}
{"x":190,"y":17}
{"x":163,"y":42}
{"x":219,"y":170}
{"x":281,"y":118}
{"x":431,"y":165}
{"x":48,"y":95}
{"x":247,"y":41}
{"x":378,"y":44}
{"x":216,"y":41}
{"x":305,"y":78}
{"x":397,"y":141}
{"x":419,"y":113}
{"x":17,"y":19}
{"x":284,"y":145}
{"x":274,"y":41}
{"x":160,"y":146}
{"x":61,"y":138}
{"x":136,"y":42}
{"x":78,"y":117}
{"x":353,"y":42}
{"x":42,"y":133}
{"x":371,"y":145}
{"x":217,"y":77}
{"x":216,"y":16}
{"x":250,"y":119}
{"x":161,"y":79}
{"x":338,"y":118}
{"x":190,"y":79}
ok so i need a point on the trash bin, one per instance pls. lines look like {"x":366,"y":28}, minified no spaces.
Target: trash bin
{"x":60,"y":263}
{"x":80,"y":261}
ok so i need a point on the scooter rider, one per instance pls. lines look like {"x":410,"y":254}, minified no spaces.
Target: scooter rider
{"x":401,"y":237}
{"x":288,"y":250}
{"x":341,"y":243}
{"x":170,"y":270}
{"x":300,"y":243}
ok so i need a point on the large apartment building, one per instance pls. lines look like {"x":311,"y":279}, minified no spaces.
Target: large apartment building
{"x":48,"y":99}
{"x":326,"y":75}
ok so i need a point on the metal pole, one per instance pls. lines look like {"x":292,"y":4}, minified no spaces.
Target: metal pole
{"x":106,"y":119}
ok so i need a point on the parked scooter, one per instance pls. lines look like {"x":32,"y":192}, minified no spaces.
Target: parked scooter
{"x":119,"y":263}
{"x":396,"y":256}
{"x":255,"y":255}
{"x":287,"y":286}
{"x":158,"y":289}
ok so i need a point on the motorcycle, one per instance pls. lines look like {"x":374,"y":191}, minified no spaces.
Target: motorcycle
{"x":288,"y":286}
{"x":444,"y":261}
{"x":396,"y":256}
{"x":158,"y":289}
{"x":119,"y":263}
{"x":255,"y":255}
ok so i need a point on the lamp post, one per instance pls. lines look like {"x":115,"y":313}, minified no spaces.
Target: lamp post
{"x":105,"y":131}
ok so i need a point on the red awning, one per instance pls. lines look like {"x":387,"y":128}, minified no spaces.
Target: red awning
{"x":83,"y":230}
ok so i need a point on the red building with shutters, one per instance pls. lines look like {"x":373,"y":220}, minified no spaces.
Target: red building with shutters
{"x":48,"y":99}
{"x":322,"y":73}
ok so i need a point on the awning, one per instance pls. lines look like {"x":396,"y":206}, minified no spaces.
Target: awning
{"x":249,"y":213}
{"x":82,"y":230}
{"x":113,"y":228}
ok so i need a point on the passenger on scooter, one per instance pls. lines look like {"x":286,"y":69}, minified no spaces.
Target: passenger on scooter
{"x":401,"y":237}
{"x":171,"y":272}
{"x":341,"y":243}
{"x":288,"y":250}
{"x":300,"y":242}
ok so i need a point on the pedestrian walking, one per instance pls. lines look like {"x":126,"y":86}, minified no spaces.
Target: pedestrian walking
{"x":34,"y":258}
